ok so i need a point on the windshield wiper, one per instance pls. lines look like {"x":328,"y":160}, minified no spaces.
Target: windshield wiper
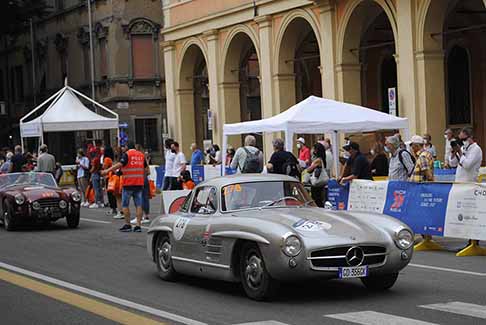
{"x":280,"y":200}
{"x":306,"y":204}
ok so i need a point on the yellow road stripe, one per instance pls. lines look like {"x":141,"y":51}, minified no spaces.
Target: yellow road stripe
{"x":91,"y":305}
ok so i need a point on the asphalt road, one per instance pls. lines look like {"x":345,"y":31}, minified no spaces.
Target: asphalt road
{"x":97,"y":275}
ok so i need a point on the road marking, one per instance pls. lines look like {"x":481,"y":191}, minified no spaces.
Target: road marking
{"x":375,"y":318}
{"x":104,"y":296}
{"x":460,"y":308}
{"x":446,"y":269}
{"x":91,"y":305}
{"x":97,"y":221}
{"x":265,"y":322}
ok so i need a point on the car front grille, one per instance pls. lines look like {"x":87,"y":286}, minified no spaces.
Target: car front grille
{"x":330,"y":259}
{"x":49,"y":203}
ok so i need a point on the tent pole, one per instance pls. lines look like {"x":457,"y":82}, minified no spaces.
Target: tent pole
{"x":40,"y":105}
{"x":225,"y":147}
{"x":92,"y":101}
{"x":22,"y":142}
{"x":289,"y":139}
{"x":335,"y":153}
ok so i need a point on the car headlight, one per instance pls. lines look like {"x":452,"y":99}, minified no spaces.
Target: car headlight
{"x":404,"y":239}
{"x":292,"y":246}
{"x":76,"y":196}
{"x":36,"y":205}
{"x":19,"y":199}
{"x":63,"y":204}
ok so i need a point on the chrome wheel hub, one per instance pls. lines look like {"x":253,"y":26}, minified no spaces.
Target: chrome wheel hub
{"x":164,"y":252}
{"x":254,"y":272}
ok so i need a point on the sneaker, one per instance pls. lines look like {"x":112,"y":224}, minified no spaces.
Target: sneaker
{"x":85,"y":204}
{"x":133,"y":221}
{"x":111,"y":212}
{"x":145,"y":220}
{"x":118,"y":216}
{"x":126,"y":228}
{"x":94,"y":206}
{"x":137,"y":229}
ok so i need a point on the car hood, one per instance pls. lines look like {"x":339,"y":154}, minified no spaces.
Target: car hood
{"x":318,"y":222}
{"x":36,"y":192}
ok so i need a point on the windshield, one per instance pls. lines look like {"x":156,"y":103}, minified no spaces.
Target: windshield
{"x":264,"y":194}
{"x":31,"y":178}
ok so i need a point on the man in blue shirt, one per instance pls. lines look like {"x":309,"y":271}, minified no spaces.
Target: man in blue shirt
{"x":197,"y":157}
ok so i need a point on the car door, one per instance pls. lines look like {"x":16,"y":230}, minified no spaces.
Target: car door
{"x":204,"y":205}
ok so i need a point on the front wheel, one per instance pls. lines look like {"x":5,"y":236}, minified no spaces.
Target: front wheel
{"x":73,"y":219}
{"x":380,"y":282}
{"x":256,"y":281}
{"x":8,"y":221}
{"x":163,"y":258}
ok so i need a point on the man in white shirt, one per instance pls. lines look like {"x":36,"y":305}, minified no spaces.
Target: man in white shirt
{"x":179,"y":164}
{"x":449,"y":161}
{"x":470,"y":155}
{"x":169,"y":179}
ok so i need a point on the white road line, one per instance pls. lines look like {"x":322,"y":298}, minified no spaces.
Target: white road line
{"x":375,"y":318}
{"x":460,"y":308}
{"x":103,"y":296}
{"x":445,"y":269}
{"x":96,"y":221}
{"x":265,"y":322}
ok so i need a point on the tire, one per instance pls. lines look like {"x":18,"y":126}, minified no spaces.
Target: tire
{"x":8,"y":222}
{"x":73,"y":220}
{"x":256,"y":281}
{"x":163,"y":258}
{"x":380,"y":282}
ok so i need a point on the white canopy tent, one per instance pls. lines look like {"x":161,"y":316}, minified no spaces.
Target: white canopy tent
{"x":316,"y":115}
{"x":66,"y":113}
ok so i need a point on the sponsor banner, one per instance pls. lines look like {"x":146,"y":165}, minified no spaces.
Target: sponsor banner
{"x":338,"y":195}
{"x":367,"y":196}
{"x":197,"y":173}
{"x":466,"y":212}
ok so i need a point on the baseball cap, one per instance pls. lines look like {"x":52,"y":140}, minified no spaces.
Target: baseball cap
{"x":351,"y":145}
{"x":417,"y":139}
{"x":301,"y":140}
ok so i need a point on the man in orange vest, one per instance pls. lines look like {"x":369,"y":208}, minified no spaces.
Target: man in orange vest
{"x":132,"y":165}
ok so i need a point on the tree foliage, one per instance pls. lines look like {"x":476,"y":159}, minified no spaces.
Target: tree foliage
{"x":14,"y":14}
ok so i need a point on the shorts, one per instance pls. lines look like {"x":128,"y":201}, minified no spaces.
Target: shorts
{"x":137,"y":195}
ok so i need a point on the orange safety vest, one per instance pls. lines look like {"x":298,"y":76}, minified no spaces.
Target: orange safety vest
{"x":133,"y":171}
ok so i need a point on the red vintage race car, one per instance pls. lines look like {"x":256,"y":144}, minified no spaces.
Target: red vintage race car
{"x":35,"y":198}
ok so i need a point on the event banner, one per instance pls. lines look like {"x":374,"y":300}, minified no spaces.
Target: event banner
{"x":440,"y":209}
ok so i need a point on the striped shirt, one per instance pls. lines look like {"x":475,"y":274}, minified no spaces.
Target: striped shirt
{"x":399,"y":171}
{"x":424,"y":162}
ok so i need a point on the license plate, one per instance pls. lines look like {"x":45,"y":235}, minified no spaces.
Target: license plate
{"x":353,"y":272}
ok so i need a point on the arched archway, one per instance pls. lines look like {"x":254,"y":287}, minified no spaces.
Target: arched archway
{"x":241,"y":82}
{"x":367,"y":67}
{"x":193,"y":97}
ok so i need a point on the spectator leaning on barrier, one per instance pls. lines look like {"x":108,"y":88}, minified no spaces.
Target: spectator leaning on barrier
{"x":197,"y":157}
{"x":401,"y":163}
{"x":449,"y":137}
{"x":470,"y":159}
{"x":357,"y":163}
{"x":282,"y":162}
{"x":248,"y":159}
{"x":424,"y":164}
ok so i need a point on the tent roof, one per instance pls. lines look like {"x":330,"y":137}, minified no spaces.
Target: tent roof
{"x":319,"y":115}
{"x":68,"y":113}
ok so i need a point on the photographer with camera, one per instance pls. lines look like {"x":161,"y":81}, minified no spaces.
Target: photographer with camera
{"x":469,"y":157}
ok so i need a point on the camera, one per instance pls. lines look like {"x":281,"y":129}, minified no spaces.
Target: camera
{"x":456,"y":143}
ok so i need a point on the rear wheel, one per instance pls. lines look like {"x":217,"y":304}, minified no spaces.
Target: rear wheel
{"x":163,"y":258}
{"x":256,"y":281}
{"x":8,"y":221}
{"x":73,"y":219}
{"x":380,"y":282}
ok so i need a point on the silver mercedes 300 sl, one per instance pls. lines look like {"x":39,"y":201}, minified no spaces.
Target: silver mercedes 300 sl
{"x":262,"y":230}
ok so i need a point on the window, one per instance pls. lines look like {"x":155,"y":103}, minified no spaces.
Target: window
{"x":205,"y":201}
{"x":143,"y":56}
{"x":146,"y":133}
{"x":458,"y":87}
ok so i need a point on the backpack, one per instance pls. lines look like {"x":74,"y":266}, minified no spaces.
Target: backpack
{"x":291,"y":167}
{"x":252,"y":162}
{"x":400,"y":157}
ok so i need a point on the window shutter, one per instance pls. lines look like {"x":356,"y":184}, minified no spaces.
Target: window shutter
{"x":143,"y":56}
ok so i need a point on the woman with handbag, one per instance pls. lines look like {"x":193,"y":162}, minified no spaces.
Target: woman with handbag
{"x":318,"y":177}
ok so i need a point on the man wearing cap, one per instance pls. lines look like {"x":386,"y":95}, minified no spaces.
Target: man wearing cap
{"x":424,"y":165}
{"x":401,"y":161}
{"x":304,"y":153}
{"x":360,"y":166}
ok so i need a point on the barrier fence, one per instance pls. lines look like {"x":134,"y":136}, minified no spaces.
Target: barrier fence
{"x":440,"y":209}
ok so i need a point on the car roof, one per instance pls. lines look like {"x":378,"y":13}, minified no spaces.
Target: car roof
{"x":246,"y":178}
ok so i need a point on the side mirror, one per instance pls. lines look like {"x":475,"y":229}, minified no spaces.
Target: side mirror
{"x":328,"y":206}
{"x":205,"y":210}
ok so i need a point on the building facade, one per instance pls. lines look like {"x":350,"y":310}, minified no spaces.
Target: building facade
{"x":128,"y":67}
{"x":243,"y":60}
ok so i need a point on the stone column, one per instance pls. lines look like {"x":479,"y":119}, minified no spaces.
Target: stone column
{"x":214,"y":93}
{"x":328,"y":48}
{"x":284,"y":91}
{"x":185,"y":119}
{"x":170,"y":73}
{"x":230,"y":107}
{"x":349,"y":83}
{"x":266,"y":76}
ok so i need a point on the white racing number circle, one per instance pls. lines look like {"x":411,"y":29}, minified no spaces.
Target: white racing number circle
{"x":180,"y":227}
{"x":311,"y":225}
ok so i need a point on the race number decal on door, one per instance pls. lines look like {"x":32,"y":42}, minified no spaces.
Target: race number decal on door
{"x":180,"y":227}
